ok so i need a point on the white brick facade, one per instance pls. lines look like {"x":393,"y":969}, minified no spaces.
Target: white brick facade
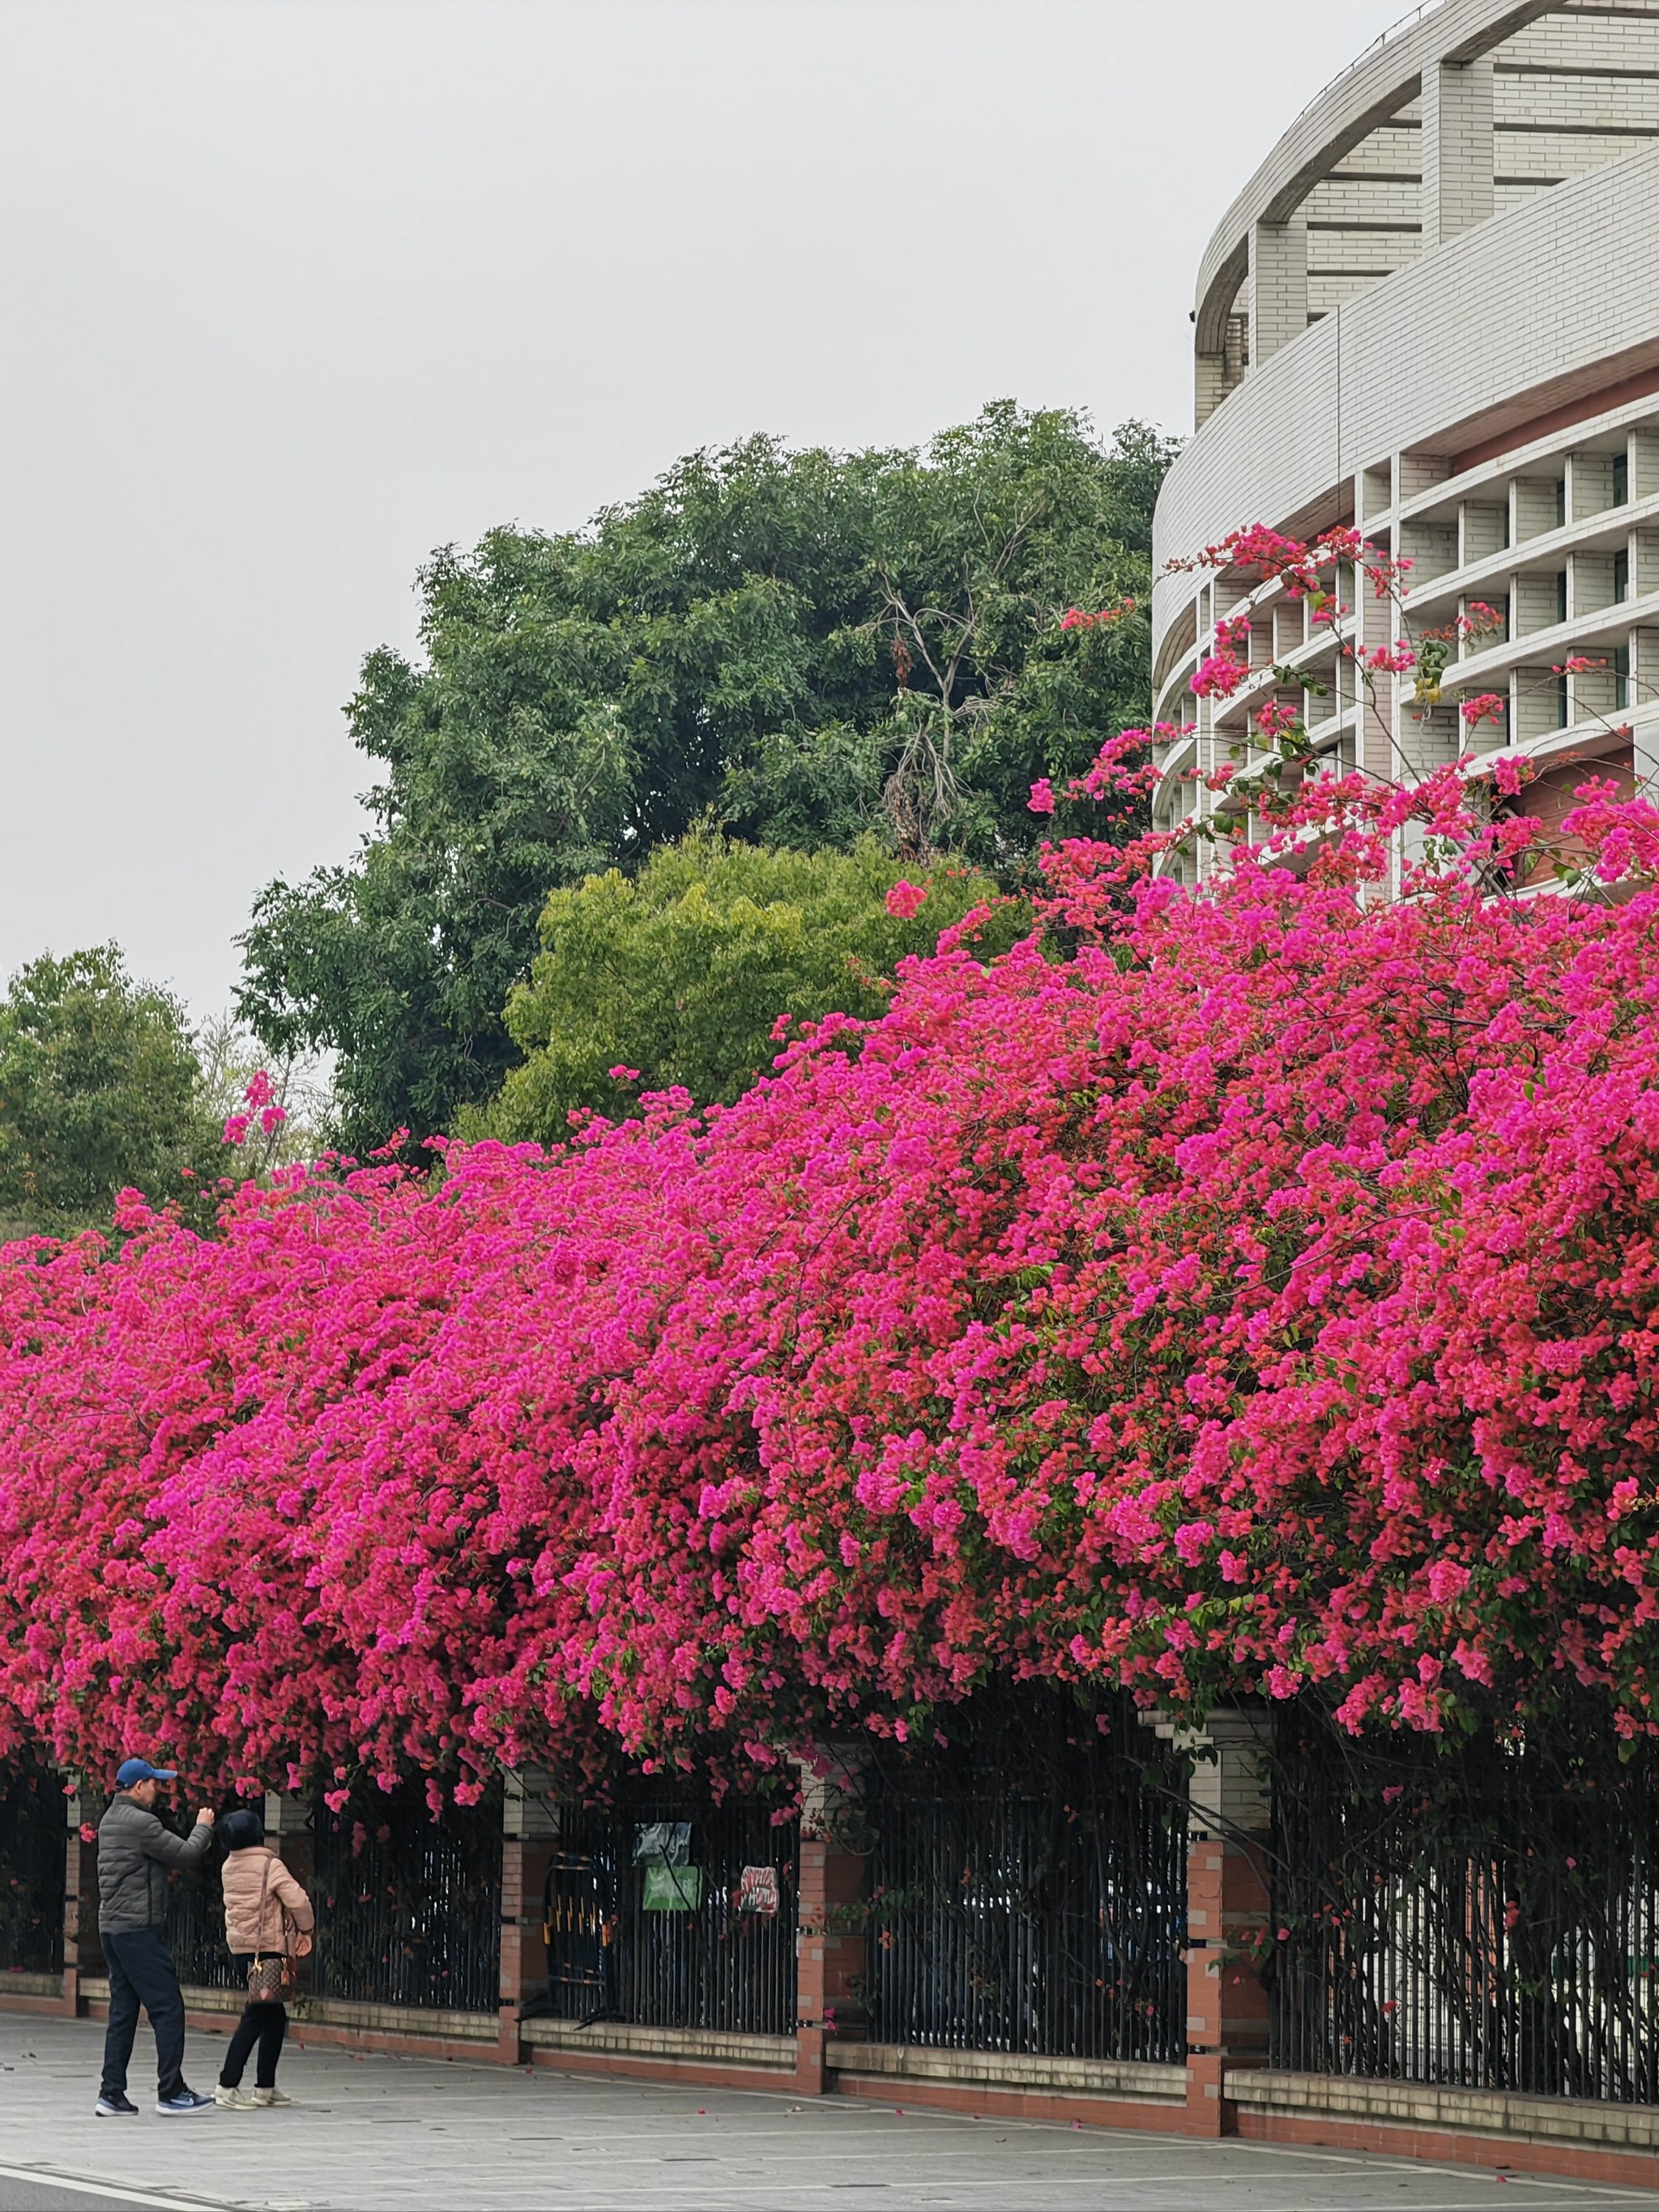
{"x":1435,"y":311}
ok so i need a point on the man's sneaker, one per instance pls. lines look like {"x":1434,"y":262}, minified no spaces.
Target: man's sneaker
{"x":232,"y":2100}
{"x":271,"y":2096}
{"x":187,"y":2100}
{"x":113,"y":2108}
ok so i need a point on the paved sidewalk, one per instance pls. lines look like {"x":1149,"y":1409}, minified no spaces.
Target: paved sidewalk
{"x":406,"y":2135}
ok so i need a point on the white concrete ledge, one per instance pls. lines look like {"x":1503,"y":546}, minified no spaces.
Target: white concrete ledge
{"x":387,"y":2020}
{"x":1011,"y":2069}
{"x":627,"y":2038}
{"x":30,"y":1985}
{"x":1425,"y":2104}
{"x":335,"y":2012}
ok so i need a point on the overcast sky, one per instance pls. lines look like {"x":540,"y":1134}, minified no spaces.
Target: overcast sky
{"x":296,"y":290}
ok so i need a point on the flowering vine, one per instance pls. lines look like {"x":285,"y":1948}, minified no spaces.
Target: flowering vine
{"x":1258,"y":1298}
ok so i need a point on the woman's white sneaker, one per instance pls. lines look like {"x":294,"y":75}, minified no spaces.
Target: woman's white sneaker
{"x":271,"y":2096}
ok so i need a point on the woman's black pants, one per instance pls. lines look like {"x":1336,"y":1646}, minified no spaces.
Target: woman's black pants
{"x":266,"y":2025}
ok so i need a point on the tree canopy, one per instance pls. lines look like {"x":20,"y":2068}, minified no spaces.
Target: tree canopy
{"x":678,"y":975}
{"x":813,"y":647}
{"x":99,"y":1088}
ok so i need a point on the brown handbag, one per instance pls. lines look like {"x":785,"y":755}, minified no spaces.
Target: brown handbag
{"x":272,"y":1976}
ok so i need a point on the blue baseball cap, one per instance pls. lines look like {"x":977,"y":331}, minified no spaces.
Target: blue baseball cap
{"x":140,"y":1770}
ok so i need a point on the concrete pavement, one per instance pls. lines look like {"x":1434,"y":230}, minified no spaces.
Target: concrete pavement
{"x":373,"y":2134}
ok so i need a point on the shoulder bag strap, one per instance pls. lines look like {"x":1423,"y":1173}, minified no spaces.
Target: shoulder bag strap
{"x":290,"y":1926}
{"x":259,"y":1923}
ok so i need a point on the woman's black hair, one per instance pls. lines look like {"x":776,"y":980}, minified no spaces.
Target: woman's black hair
{"x":240,"y":1829}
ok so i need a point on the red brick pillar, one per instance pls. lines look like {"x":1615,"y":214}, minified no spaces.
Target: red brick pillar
{"x":80,"y":1881}
{"x":1227,"y":1912}
{"x":831,"y":1940}
{"x":291,"y":1829}
{"x":529,"y":1829}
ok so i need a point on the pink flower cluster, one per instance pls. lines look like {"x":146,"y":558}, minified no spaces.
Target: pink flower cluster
{"x":1485,"y":706}
{"x":1076,"y":619}
{"x":1217,"y":676}
{"x":1261,"y":1298}
{"x":261,"y":1101}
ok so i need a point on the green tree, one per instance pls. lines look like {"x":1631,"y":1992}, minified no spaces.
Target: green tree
{"x":976,"y":548}
{"x":679,"y":973}
{"x":100,"y":1087}
{"x":813,"y":647}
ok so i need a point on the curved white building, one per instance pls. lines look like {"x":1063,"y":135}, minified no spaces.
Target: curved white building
{"x":1434,"y":312}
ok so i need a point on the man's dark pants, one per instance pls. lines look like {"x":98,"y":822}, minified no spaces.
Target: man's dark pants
{"x":142,"y":1972}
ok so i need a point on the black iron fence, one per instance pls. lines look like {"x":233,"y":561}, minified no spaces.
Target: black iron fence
{"x":1030,"y":1896}
{"x":196,"y":1928}
{"x":409,"y":1909}
{"x":673,"y":1912}
{"x":1487,"y":1916}
{"x":32,"y":1839}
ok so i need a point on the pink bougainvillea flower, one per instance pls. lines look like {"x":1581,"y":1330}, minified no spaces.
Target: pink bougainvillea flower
{"x":1239,"y":1290}
{"x":1484,"y":706}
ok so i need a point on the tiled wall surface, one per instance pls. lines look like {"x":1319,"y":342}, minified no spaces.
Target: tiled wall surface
{"x":1475,"y":110}
{"x":1533,"y":299}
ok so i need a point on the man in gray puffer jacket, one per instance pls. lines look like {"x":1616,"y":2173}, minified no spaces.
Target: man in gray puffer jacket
{"x":134,"y":1853}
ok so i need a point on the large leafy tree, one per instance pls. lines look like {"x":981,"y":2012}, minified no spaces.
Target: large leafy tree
{"x":813,"y":647}
{"x":99,"y":1088}
{"x":678,"y":975}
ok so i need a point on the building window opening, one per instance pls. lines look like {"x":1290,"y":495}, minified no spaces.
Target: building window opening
{"x":1620,"y":479}
{"x":1620,"y":577}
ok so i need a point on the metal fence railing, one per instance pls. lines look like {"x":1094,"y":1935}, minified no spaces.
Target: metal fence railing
{"x":673,"y":1913}
{"x":32,"y":1838}
{"x":1487,"y":1917}
{"x":409,"y":1909}
{"x":196,"y":1929}
{"x":1041,"y":1908}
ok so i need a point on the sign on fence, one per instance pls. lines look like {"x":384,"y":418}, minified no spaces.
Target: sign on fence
{"x":673,"y":1888}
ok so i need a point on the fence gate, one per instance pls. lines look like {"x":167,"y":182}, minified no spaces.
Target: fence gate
{"x":579,"y":1922}
{"x":32,"y":1839}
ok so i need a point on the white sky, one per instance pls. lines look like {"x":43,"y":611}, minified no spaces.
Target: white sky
{"x":295,"y":290}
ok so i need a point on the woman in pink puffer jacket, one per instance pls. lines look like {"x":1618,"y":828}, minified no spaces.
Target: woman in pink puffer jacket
{"x":265,"y":1911}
